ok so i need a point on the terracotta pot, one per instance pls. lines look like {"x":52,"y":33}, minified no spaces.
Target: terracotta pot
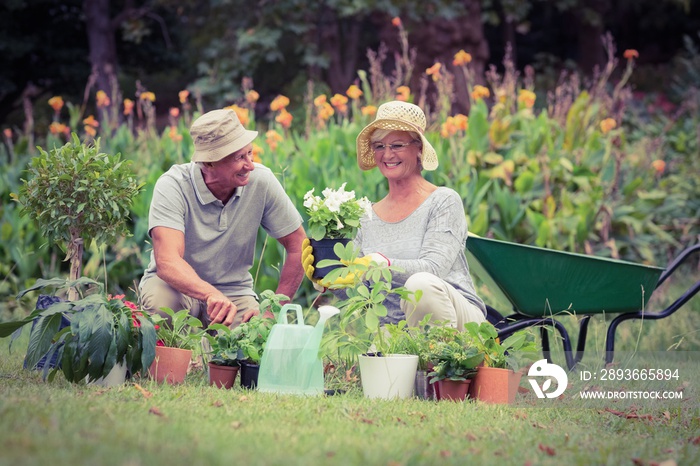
{"x":455,"y":390}
{"x":170,"y":365}
{"x":323,"y":249}
{"x":494,"y":385}
{"x":222,"y":376}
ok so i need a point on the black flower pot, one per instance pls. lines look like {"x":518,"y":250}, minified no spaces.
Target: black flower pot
{"x":249,"y":374}
{"x":323,"y":249}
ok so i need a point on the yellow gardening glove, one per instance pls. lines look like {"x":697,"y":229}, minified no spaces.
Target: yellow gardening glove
{"x":307,"y":260}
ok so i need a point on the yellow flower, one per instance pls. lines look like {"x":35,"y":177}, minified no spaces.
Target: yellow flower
{"x":183,"y":95}
{"x":325,"y":111}
{"x":480,"y":92}
{"x":243,"y":114}
{"x":279,"y":103}
{"x":659,"y":166}
{"x":128,"y":106}
{"x":461,"y":58}
{"x":90,"y":121}
{"x":174,"y":112}
{"x":607,"y":125}
{"x":174,"y":135}
{"x":56,"y":103}
{"x":284,"y":118}
{"x":102,"y":99}
{"x":353,"y":92}
{"x":320,"y":100}
{"x":434,"y":71}
{"x":527,"y":98}
{"x":251,"y":96}
{"x":396,"y":21}
{"x":257,"y":152}
{"x":148,"y":96}
{"x":402,"y":93}
{"x":630,"y":54}
{"x":369,"y":110}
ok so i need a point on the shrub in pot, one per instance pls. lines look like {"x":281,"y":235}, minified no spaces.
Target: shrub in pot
{"x":178,"y":335}
{"x":498,"y":379}
{"x":455,"y":361}
{"x":223,"y":351}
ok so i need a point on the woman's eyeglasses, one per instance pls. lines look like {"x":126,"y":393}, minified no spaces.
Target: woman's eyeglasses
{"x":378,"y":148}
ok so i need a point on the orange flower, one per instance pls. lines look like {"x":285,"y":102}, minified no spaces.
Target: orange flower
{"x":251,"y":96}
{"x":402,"y":93}
{"x":128,"y":106}
{"x":257,"y":152}
{"x":607,"y":125}
{"x":272,"y":138}
{"x":480,"y":92}
{"x":148,"y":96}
{"x":56,"y":103}
{"x":90,"y":130}
{"x":453,"y":124}
{"x":7,"y":132}
{"x":284,"y":118}
{"x":183,"y":95}
{"x":279,"y":103}
{"x":369,"y":110}
{"x":102,"y":99}
{"x":339,"y":101}
{"x":527,"y":98}
{"x":174,"y":112}
{"x":353,"y":92}
{"x":58,"y":128}
{"x":630,"y":54}
{"x":90,"y":121}
{"x":434,"y":71}
{"x":396,"y":21}
{"x":243,"y":114}
{"x":325,"y":112}
{"x":462,"y":121}
{"x":174,"y":135}
{"x":461,"y":58}
{"x":320,"y":100}
{"x":659,"y":166}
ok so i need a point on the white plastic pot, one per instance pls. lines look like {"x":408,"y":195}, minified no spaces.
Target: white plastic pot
{"x":389,"y":376}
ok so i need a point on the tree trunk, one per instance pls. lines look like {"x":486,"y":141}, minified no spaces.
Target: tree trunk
{"x":75,"y":257}
{"x":591,"y":27}
{"x":102,"y":43}
{"x":339,"y":39}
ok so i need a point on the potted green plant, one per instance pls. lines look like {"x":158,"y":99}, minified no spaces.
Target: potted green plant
{"x":178,"y":335}
{"x":454,"y":362}
{"x":333,"y":219}
{"x":104,"y":332}
{"x":251,"y":337}
{"x":359,"y":336}
{"x":223,"y":363}
{"x":497,"y":380}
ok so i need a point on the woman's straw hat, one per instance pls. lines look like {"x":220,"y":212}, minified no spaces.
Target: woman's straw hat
{"x":396,"y":116}
{"x":218,"y":134}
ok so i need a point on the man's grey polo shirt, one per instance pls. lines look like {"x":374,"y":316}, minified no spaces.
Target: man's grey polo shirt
{"x":220,"y":239}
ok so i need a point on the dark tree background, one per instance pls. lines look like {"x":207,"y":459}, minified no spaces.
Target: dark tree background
{"x":75,"y":47}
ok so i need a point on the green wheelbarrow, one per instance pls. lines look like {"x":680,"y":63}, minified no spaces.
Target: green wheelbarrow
{"x":542,"y":283}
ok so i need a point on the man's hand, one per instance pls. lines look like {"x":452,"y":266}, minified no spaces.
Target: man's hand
{"x":254,"y":312}
{"x":220,"y":309}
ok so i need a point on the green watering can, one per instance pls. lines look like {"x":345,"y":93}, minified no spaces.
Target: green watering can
{"x":290,"y":361}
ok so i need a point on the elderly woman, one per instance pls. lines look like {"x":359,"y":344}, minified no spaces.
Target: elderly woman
{"x":418,"y":227}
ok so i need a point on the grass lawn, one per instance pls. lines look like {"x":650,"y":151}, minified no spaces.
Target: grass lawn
{"x":59,"y":423}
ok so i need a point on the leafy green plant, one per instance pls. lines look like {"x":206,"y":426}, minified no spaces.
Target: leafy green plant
{"x":507,"y":354}
{"x":224,"y":345}
{"x":103,"y":331}
{"x":337,"y":214}
{"x":77,"y":194}
{"x":179,"y":329}
{"x":251,"y":337}
{"x":454,"y":360}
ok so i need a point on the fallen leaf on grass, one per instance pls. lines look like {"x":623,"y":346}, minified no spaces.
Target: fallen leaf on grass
{"x":367,"y":421}
{"x":683,"y":386}
{"x":155,"y":411}
{"x":445,"y":453}
{"x":218,"y":404}
{"x":630,"y":415}
{"x":236,"y":424}
{"x":471,"y":437}
{"x":243,"y":398}
{"x":144,"y":392}
{"x":547,"y":449}
{"x":695,"y":441}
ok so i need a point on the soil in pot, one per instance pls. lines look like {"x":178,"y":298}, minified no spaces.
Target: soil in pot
{"x":222,"y":376}
{"x":454,"y":390}
{"x":170,"y":365}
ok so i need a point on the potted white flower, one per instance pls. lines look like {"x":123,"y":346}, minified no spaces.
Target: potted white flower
{"x":333,"y":218}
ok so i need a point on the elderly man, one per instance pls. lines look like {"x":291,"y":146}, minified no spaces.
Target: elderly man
{"x":204,"y":220}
